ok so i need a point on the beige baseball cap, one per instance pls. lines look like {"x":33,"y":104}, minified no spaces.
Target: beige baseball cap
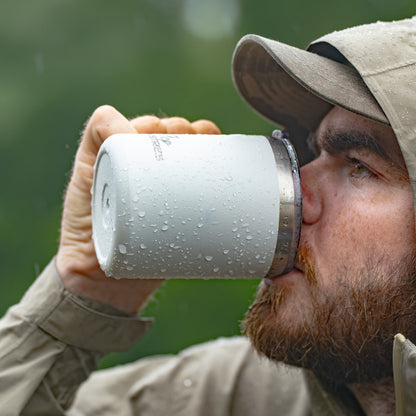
{"x":368,"y":69}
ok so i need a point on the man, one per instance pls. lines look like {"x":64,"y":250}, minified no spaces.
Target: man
{"x":335,"y":315}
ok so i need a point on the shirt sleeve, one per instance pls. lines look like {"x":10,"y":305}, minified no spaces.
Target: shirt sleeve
{"x":51,"y":341}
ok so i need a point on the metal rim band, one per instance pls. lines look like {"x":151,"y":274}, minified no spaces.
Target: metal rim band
{"x":290,"y":209}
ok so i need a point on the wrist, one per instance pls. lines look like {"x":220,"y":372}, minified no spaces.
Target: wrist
{"x":86,"y":279}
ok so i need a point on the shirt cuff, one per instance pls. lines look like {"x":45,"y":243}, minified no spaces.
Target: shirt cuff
{"x":76,"y":321}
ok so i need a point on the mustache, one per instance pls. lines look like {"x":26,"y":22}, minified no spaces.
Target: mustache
{"x":305,"y":262}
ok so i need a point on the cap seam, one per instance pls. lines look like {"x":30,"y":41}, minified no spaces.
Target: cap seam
{"x":389,"y":68}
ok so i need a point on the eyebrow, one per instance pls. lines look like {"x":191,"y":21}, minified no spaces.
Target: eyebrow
{"x":338,"y":142}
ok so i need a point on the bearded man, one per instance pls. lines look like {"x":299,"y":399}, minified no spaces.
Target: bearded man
{"x":327,"y":327}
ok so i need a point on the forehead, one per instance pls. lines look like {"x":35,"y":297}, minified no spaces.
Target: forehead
{"x":340,"y":121}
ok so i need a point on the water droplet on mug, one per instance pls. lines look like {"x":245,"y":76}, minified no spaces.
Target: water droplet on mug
{"x":122,"y":248}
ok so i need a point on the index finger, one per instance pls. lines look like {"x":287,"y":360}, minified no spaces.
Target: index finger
{"x":104,"y":122}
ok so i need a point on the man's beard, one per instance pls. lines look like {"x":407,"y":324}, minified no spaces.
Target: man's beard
{"x":345,"y":333}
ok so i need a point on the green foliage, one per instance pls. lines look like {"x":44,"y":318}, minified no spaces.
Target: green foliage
{"x":61,"y":60}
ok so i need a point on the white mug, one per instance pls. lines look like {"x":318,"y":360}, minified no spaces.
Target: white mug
{"x":196,"y":206}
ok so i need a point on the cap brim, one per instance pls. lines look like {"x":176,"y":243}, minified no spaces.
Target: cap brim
{"x":296,"y":88}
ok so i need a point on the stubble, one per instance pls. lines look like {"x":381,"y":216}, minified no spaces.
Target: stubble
{"x":345,"y":332}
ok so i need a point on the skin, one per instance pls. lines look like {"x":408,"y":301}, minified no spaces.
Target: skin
{"x":358,"y":229}
{"x":76,"y":260}
{"x":355,"y":201}
{"x":361,"y":207}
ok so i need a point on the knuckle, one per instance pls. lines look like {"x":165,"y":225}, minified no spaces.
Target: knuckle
{"x":148,"y":118}
{"x":206,"y":127}
{"x":178,"y":125}
{"x":102,"y":113}
{"x":176,"y":120}
{"x":148,"y":124}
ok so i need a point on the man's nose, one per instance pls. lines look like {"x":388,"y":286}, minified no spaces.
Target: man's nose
{"x":311,"y":193}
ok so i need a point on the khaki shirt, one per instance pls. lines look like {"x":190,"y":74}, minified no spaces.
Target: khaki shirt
{"x":50,"y":343}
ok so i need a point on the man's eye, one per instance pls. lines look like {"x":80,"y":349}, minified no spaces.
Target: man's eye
{"x":359,"y":170}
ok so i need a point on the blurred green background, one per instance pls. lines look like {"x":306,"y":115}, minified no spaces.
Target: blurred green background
{"x":60,"y":60}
